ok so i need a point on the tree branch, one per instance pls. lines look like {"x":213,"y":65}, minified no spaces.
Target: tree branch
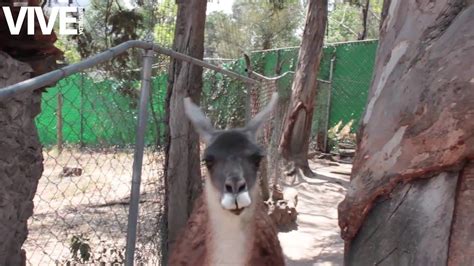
{"x":288,"y":131}
{"x":365,"y":11}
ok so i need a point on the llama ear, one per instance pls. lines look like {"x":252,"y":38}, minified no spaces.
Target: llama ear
{"x":256,"y":122}
{"x":201,"y":123}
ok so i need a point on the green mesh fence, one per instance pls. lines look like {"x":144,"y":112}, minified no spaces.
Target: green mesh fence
{"x":224,"y":98}
{"x":321,"y":113}
{"x":98,"y":113}
{"x":351,"y":77}
{"x":354,"y":64}
{"x":93,"y":110}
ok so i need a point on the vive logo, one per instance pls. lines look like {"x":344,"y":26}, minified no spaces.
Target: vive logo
{"x":46,"y":28}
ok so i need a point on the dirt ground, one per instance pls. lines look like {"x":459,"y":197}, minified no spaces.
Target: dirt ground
{"x":316,"y":241}
{"x":93,"y":204}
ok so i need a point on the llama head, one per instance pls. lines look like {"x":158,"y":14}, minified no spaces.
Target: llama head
{"x":232,"y":156}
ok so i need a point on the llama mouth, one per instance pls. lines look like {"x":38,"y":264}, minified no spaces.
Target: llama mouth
{"x":237,"y":211}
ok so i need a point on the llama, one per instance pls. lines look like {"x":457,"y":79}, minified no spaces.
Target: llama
{"x":229,"y":224}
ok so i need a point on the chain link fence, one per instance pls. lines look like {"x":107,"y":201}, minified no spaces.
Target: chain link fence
{"x":344,"y":80}
{"x":88,"y":126}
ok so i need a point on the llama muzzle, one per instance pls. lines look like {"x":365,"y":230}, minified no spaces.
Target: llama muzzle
{"x":236,"y":202}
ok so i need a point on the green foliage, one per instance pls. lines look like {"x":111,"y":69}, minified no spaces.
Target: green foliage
{"x":80,"y":248}
{"x":253,"y":25}
{"x":111,"y":22}
{"x":225,"y":98}
{"x":223,"y":36}
{"x":340,"y":134}
{"x":345,"y":20}
{"x":71,"y":55}
{"x":344,"y":23}
{"x":165,"y":15}
{"x":269,"y":24}
{"x":332,"y":142}
{"x":125,"y":25}
{"x":107,"y":24}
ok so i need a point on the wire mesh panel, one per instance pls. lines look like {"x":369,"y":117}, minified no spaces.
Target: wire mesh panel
{"x":345,"y":74}
{"x":351,"y":75}
{"x":228,"y":101}
{"x":87,"y":127}
{"x":88,"y":121}
{"x":224,"y":99}
{"x":354,"y":63}
{"x":322,"y":114}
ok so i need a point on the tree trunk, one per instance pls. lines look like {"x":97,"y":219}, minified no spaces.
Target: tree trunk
{"x":411,"y":198}
{"x":461,"y":244}
{"x":21,"y":161}
{"x":21,"y":158}
{"x":365,"y":12}
{"x":383,"y":15}
{"x":294,"y":143}
{"x":182,"y":165}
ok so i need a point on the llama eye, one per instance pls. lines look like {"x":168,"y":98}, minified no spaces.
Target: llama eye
{"x":208,"y":161}
{"x":256,"y":158}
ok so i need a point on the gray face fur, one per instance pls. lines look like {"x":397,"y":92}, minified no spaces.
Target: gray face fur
{"x":232,"y":157}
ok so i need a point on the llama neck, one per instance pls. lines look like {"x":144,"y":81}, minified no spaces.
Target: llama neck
{"x":230,"y":235}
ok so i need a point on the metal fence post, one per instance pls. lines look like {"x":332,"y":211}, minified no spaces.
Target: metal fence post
{"x":328,"y":113}
{"x":59,"y":122}
{"x":81,"y":114}
{"x":138,"y":158}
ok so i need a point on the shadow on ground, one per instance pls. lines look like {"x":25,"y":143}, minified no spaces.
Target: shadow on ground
{"x":316,"y":240}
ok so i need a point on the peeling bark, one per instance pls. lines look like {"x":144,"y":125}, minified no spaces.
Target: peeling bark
{"x":419,"y":118}
{"x":385,"y":6}
{"x":409,"y":227}
{"x":21,"y":158}
{"x":461,"y":242}
{"x":412,"y":227}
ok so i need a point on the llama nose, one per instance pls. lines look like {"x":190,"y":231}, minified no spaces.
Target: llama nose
{"x":235,"y":185}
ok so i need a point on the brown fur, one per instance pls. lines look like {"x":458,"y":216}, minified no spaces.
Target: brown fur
{"x":192,"y":247}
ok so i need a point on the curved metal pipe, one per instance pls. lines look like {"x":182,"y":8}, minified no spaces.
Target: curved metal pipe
{"x":52,"y":77}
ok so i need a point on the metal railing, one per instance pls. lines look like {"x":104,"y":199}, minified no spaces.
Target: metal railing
{"x":53,"y":76}
{"x":150,"y":49}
